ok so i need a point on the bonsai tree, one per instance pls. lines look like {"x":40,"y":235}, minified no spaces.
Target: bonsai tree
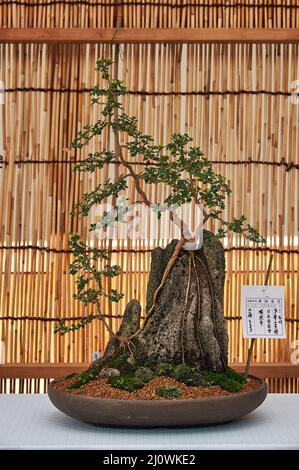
{"x":184,"y":324}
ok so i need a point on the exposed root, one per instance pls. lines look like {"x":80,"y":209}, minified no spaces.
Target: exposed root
{"x":210,"y":284}
{"x":185,"y":313}
{"x":197,"y":339}
{"x":168,"y":268}
{"x":126,"y":343}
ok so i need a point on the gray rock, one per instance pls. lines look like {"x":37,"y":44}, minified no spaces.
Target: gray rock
{"x":109,"y":372}
{"x":187,"y":324}
{"x":129,"y":325}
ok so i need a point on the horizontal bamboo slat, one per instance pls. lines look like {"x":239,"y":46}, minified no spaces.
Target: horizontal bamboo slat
{"x":150,"y":35}
{"x":50,"y":371}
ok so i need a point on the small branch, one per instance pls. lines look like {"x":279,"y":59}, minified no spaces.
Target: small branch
{"x":107,"y":326}
{"x":206,"y":215}
{"x":132,"y":173}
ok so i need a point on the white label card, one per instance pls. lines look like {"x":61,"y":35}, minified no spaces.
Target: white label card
{"x":263,"y":312}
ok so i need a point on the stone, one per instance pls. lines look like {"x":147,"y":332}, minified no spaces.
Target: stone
{"x":187,"y":324}
{"x":109,"y":372}
{"x":129,"y":325}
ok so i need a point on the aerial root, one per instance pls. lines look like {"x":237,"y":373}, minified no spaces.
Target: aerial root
{"x":125,"y":342}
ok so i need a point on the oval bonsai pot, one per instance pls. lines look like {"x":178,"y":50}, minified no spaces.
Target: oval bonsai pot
{"x":155,"y":413}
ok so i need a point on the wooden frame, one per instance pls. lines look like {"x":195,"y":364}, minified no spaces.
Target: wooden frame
{"x":284,"y":370}
{"x":149,"y":35}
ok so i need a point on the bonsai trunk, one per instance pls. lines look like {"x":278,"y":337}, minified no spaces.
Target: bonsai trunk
{"x":187,"y":323}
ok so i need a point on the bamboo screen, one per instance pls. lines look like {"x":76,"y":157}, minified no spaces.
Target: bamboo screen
{"x":236,"y":101}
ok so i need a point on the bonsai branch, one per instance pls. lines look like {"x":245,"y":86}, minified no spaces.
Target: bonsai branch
{"x":132,"y":173}
{"x":175,"y":219}
{"x":147,"y":202}
{"x":106,"y":324}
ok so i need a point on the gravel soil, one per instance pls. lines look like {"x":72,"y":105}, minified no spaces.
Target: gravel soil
{"x":100,"y":388}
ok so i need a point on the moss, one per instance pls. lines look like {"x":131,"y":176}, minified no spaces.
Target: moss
{"x":126,"y":382}
{"x":144,"y":373}
{"x":168,"y":392}
{"x":138,"y":352}
{"x":233,"y":374}
{"x":230,"y":380}
{"x":163,"y":368}
{"x":230,"y":385}
{"x":210,"y":376}
{"x":119,"y":361}
{"x":196,"y":380}
{"x":150,"y":362}
{"x":82,"y":379}
{"x":70,"y":376}
{"x":189,"y":376}
{"x":182,"y":372}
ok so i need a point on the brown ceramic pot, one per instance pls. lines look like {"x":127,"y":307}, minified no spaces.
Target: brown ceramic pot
{"x":151,"y":413}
